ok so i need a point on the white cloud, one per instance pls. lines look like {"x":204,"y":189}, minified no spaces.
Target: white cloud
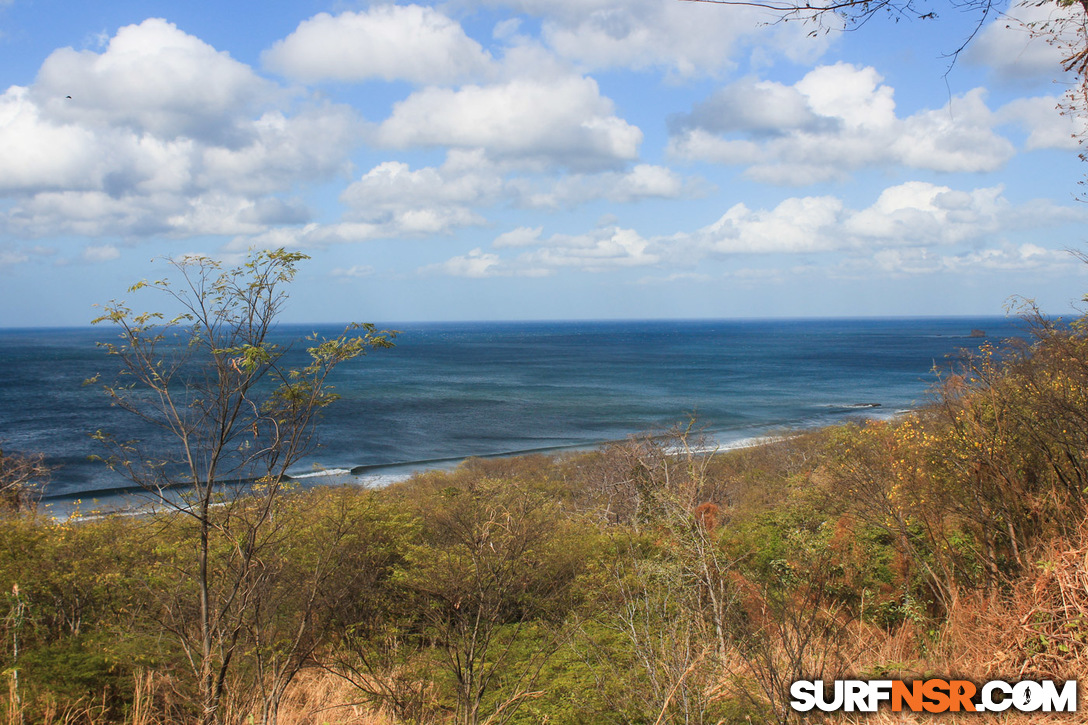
{"x":686,"y":39}
{"x":596,"y":251}
{"x":95,"y":213}
{"x":283,"y":150}
{"x":795,"y":225}
{"x":162,"y":135}
{"x":104,"y":253}
{"x":12,"y":257}
{"x":956,"y":138}
{"x":156,"y":79}
{"x":676,"y":277}
{"x":643,"y":181}
{"x":37,"y":153}
{"x":520,"y":237}
{"x":1014,"y":45}
{"x":757,"y":107}
{"x":1005,"y":257}
{"x":392,"y":200}
{"x":357,"y":271}
{"x":409,"y":223}
{"x":851,"y":95}
{"x":394,"y":195}
{"x":593,"y":252}
{"x":907,"y":224}
{"x":835,"y":120}
{"x":562,"y":120}
{"x":476,"y":264}
{"x":921,"y":213}
{"x":911,"y":214}
{"x":390,"y":42}
{"x":1047,"y":128}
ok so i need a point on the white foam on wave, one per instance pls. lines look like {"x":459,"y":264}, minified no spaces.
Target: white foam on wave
{"x":378,"y":480}
{"x":751,"y":442}
{"x":323,"y":472}
{"x":723,"y":446}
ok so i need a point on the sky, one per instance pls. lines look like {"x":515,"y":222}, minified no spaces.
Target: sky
{"x":536,"y":159}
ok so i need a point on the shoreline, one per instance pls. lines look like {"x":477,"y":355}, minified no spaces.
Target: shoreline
{"x":132,"y":500}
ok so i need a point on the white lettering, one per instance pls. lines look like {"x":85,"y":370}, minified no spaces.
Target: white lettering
{"x":854,"y":696}
{"x":879,"y":691}
{"x":803,"y":693}
{"x":1064,"y":701}
{"x":989,"y":704}
{"x":836,"y":700}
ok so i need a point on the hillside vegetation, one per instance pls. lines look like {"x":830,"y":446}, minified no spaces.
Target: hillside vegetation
{"x":646,"y":582}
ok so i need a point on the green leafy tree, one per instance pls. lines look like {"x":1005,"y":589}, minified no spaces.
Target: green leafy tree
{"x":223,"y":405}
{"x":493,"y":582}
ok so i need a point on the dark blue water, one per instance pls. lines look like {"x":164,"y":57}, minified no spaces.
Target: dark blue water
{"x":448,"y":391}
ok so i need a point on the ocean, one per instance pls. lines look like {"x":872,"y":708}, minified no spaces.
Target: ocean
{"x":448,"y":391}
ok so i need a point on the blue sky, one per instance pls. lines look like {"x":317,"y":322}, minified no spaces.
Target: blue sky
{"x":535,"y":159}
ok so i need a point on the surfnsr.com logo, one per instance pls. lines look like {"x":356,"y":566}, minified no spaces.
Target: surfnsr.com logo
{"x":933,"y":695}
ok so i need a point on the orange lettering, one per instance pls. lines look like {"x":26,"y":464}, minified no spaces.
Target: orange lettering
{"x":961,"y":692}
{"x":934,"y":691}
{"x":912,"y":695}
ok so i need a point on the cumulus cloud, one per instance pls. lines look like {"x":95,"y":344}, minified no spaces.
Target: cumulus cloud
{"x":676,"y":277}
{"x":390,"y":42}
{"x":12,"y":257}
{"x":1045,"y":126}
{"x":904,"y":224}
{"x":917,"y":261}
{"x":795,"y":225}
{"x":475,"y":264}
{"x":1014,"y":45}
{"x":162,"y":135}
{"x":307,"y":236}
{"x":520,"y":237}
{"x":156,"y":79}
{"x":756,"y":107}
{"x":685,"y":39}
{"x":392,"y":194}
{"x":596,"y":251}
{"x":835,"y":120}
{"x":562,"y":120}
{"x":38,"y":153}
{"x":643,"y":181}
{"x":921,"y":213}
{"x":356,"y":271}
{"x":911,"y":214}
{"x":103,"y":253}
{"x":393,"y":200}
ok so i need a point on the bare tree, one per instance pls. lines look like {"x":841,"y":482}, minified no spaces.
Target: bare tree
{"x":675,"y":601}
{"x":222,"y":406}
{"x":22,"y":479}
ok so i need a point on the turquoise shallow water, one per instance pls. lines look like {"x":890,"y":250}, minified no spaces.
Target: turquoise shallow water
{"x":452,"y":390}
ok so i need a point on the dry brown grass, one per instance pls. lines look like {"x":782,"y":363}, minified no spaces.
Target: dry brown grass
{"x":1035,"y":629}
{"x":317,"y":697}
